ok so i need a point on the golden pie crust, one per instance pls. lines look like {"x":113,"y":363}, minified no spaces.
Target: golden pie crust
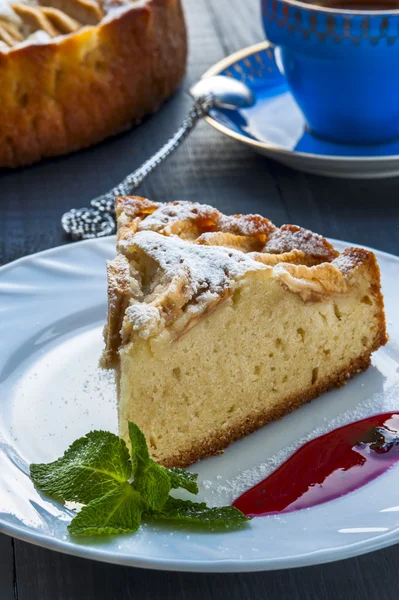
{"x":74,"y":72}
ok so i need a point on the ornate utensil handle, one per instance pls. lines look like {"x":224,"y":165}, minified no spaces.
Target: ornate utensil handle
{"x":98,"y":221}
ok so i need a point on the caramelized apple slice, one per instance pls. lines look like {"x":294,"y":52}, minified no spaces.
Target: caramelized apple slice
{"x":60,"y":20}
{"x":296,"y":257}
{"x":230,"y":240}
{"x":87,"y":12}
{"x":34,"y":19}
{"x":312,"y":283}
{"x":9,"y":34}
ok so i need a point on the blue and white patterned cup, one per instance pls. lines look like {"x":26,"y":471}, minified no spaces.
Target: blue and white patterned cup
{"x":342,"y":67}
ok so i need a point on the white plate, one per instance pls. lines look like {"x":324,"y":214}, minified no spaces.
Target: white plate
{"x":275,"y":126}
{"x":53,"y":307}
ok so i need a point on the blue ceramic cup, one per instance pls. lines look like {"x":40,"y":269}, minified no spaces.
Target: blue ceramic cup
{"x":342,"y":67}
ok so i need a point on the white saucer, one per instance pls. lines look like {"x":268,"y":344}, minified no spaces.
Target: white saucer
{"x":275,"y":126}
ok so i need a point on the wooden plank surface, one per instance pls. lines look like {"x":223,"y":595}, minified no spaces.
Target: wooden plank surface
{"x":46,"y":575}
{"x":213,"y":169}
{"x":6,"y":568}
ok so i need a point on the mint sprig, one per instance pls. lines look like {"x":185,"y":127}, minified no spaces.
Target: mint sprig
{"x":198,"y":513}
{"x":119,"y":490}
{"x":139,"y":449}
{"x":150,"y":479}
{"x":153,"y":483}
{"x":180,"y":478}
{"x":119,"y":511}
{"x":91,"y":467}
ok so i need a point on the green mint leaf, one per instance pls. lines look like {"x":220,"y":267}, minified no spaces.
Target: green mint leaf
{"x":139,"y":450}
{"x":119,"y":511}
{"x":153,"y":482}
{"x":91,"y":467}
{"x":140,"y":456}
{"x":195,"y":513}
{"x":180,"y":478}
{"x":150,"y":479}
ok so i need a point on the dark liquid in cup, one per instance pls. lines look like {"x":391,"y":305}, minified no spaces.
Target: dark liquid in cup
{"x":370,"y":5}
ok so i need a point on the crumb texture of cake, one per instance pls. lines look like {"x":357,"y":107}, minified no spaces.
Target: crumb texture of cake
{"x":77,"y":71}
{"x":219,"y":324}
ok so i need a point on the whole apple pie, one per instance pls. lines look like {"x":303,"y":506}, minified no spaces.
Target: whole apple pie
{"x":73,"y":72}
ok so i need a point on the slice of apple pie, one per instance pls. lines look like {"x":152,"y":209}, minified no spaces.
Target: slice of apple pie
{"x":219,"y":324}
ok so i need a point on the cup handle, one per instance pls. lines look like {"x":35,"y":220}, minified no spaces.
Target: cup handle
{"x":279,"y":62}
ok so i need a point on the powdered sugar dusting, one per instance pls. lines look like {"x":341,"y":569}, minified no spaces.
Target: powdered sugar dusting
{"x":188,"y":275}
{"x":205,"y":216}
{"x":349,"y":259}
{"x":192,"y":220}
{"x":193,"y":275}
{"x":145,"y":319}
{"x":292,"y":237}
{"x":209,"y":268}
{"x":177,"y":211}
{"x":248,"y":225}
{"x":345,"y":263}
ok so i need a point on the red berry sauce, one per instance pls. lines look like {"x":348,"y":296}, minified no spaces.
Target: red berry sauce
{"x":327,"y":467}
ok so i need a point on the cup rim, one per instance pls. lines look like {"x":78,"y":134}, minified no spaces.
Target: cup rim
{"x":341,"y":11}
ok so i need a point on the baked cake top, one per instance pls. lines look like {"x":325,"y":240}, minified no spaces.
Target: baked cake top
{"x":177,"y":261}
{"x":203,"y":224}
{"x":39,"y":21}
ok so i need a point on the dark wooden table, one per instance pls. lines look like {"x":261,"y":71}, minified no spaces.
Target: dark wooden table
{"x":218,"y":171}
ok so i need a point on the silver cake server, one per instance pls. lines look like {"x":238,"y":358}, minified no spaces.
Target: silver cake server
{"x":98,"y":220}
